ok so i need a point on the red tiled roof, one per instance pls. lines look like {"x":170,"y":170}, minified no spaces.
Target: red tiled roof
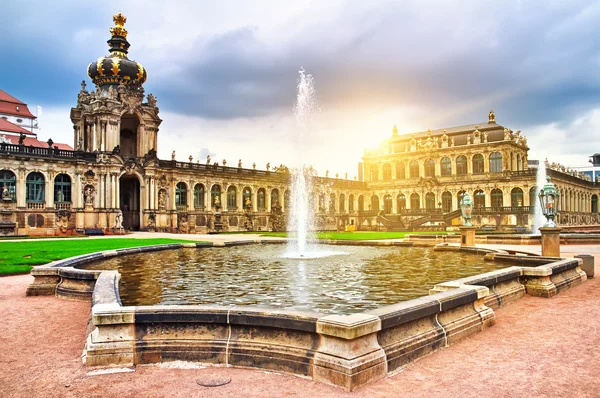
{"x":31,"y":141}
{"x":6,"y":126}
{"x":9,"y":105}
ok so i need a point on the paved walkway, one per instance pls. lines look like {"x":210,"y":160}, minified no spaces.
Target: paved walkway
{"x":538,"y":348}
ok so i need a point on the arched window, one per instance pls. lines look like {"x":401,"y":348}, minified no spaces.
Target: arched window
{"x":62,"y":188}
{"x":400,"y":202}
{"x":261,"y":199}
{"x":516,"y":197}
{"x":533,"y":197}
{"x":414,"y":169}
{"x":321,"y":202}
{"x":332,"y":203}
{"x":351,"y":203}
{"x":361,"y":203}
{"x":387,"y":204}
{"x":199,"y":196}
{"x":430,"y":201}
{"x":496,"y":162}
{"x":478,"y":199}
{"x":286,"y":199}
{"x":429,"y":168}
{"x":342,"y":203}
{"x":446,"y":166}
{"x":446,"y":202}
{"x":274,"y":197}
{"x":8,"y":185}
{"x":180,"y":194}
{"x":594,"y":203}
{"x":35,"y":188}
{"x":231,"y":198}
{"x":400,"y":171}
{"x":247,"y":198}
{"x":387,"y":172}
{"x":415,"y":201}
{"x":374,"y":173}
{"x":497,"y":197}
{"x":478,"y":163}
{"x":461,"y":165}
{"x":375,"y":203}
{"x":215,"y":195}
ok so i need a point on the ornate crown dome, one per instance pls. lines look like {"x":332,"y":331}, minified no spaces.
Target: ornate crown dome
{"x":116,"y":68}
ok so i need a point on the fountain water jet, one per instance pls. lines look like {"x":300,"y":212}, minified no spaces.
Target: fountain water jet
{"x":301,"y":214}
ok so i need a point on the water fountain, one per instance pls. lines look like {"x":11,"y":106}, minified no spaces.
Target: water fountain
{"x":540,"y":180}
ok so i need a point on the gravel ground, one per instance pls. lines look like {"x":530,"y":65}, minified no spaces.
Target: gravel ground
{"x":538,"y":348}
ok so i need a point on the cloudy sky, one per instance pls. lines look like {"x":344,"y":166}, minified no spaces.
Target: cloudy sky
{"x":225,"y":72}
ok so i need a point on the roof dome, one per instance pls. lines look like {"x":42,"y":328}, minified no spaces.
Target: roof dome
{"x":116,"y":68}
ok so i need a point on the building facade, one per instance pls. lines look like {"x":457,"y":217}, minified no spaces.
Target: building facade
{"x":112,"y":178}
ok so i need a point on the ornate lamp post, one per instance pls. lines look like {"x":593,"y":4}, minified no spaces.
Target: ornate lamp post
{"x":550,"y":231}
{"x":467,"y":231}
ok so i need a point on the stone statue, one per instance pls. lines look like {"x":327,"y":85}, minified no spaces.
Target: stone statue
{"x":191,"y":158}
{"x":268,"y":166}
{"x":240,"y":164}
{"x":217,"y":201}
{"x":491,"y":117}
{"x":506,"y":134}
{"x":173,"y":155}
{"x":151,"y":100}
{"x":83,"y":85}
{"x":395,"y":130}
{"x":346,"y":176}
{"x":485,"y":136}
{"x":119,"y":220}
{"x":207,"y":159}
{"x":248,"y":203}
{"x":326,"y":173}
{"x":452,"y":141}
{"x":80,"y":144}
{"x":224,"y":162}
{"x":254,"y":165}
{"x":88,"y":194}
{"x":5,"y":193}
{"x":21,"y":139}
{"x":162,"y":199}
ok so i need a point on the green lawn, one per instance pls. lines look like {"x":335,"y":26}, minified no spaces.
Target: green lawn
{"x":18,"y":257}
{"x":357,"y":235}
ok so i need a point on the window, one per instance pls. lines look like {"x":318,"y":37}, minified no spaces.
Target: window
{"x":247,"y":198}
{"x":342,"y":203}
{"x":375,"y":203}
{"x":351,"y":203}
{"x":274,"y":197}
{"x":415,"y":201}
{"x":361,"y":203}
{"x":199,"y":196}
{"x":461,"y":165}
{"x":446,"y":166}
{"x":496,"y":162}
{"x":387,"y":204}
{"x":215,"y":196}
{"x":181,"y":194}
{"x":374,"y":173}
{"x":446,"y":202}
{"x":35,"y":188}
{"x":387,"y":172}
{"x":429,"y":168}
{"x":62,"y":188}
{"x":401,"y":202}
{"x":260,"y":199}
{"x":414,"y":169}
{"x":8,"y":185}
{"x":479,"y":199}
{"x":231,"y":198}
{"x":533,"y":197}
{"x":516,"y":197}
{"x":332,"y":203}
{"x":497,"y":198}
{"x":19,"y":120}
{"x":478,"y":163}
{"x":400,"y":171}
{"x":430,"y":201}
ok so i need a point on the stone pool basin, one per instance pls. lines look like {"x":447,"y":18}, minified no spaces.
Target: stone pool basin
{"x":343,"y":350}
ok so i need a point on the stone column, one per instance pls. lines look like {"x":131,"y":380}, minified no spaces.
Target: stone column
{"x":254,"y":200}
{"x":550,"y":241}
{"x":268,"y":199}
{"x":469,"y":164}
{"x":49,"y":187}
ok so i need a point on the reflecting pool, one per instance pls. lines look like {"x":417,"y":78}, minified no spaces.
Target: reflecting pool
{"x":357,"y":278}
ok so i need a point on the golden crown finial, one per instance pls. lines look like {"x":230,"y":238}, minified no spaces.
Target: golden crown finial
{"x":118,"y":29}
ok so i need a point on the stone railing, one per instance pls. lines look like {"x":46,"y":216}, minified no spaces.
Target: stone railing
{"x":36,"y":205}
{"x":343,"y":350}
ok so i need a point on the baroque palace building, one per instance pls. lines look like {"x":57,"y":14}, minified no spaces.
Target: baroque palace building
{"x":113,"y":177}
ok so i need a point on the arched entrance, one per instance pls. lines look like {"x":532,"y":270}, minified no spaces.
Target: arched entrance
{"x":129,"y":202}
{"x":387,"y":204}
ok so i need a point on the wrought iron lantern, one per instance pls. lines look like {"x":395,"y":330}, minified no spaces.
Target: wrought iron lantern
{"x":548,"y":198}
{"x":466,"y":208}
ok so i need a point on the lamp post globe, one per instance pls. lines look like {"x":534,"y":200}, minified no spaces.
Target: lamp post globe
{"x":466,"y":208}
{"x":548,"y":197}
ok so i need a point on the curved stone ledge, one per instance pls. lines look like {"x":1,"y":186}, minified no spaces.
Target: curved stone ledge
{"x":342,"y":350}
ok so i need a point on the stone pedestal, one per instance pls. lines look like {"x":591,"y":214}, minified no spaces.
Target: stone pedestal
{"x":467,"y":236}
{"x":550,"y":241}
{"x":588,"y":264}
